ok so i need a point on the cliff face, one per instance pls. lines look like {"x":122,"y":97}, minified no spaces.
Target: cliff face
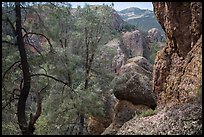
{"x":177,"y":71}
{"x":182,"y":23}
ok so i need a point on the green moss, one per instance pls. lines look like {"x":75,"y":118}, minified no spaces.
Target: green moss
{"x":199,"y":91}
{"x":149,"y":112}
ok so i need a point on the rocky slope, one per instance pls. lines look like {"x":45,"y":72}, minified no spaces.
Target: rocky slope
{"x":182,"y":119}
{"x":177,"y":75}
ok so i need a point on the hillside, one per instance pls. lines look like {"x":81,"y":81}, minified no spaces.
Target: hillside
{"x":142,"y":19}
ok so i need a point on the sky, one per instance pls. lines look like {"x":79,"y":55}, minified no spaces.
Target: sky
{"x":118,"y":6}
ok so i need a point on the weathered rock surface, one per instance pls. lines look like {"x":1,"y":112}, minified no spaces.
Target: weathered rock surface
{"x":181,"y":119}
{"x":134,"y":83}
{"x":142,"y":62}
{"x":178,"y":67}
{"x":133,"y":41}
{"x":132,"y":44}
{"x":155,"y":35}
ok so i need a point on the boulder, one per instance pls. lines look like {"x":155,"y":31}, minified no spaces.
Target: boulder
{"x":134,"y":84}
{"x":142,"y":62}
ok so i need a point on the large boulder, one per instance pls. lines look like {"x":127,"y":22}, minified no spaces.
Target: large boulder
{"x":134,"y":83}
{"x":177,"y":71}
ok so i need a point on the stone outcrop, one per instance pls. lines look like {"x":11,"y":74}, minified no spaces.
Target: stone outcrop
{"x":134,"y":83}
{"x":142,"y":62}
{"x":154,"y":35}
{"x":131,"y":44}
{"x":178,"y":67}
{"x":133,"y":41}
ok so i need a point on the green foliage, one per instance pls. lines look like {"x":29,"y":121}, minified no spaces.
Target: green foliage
{"x":199,"y":91}
{"x":9,"y":128}
{"x":128,"y":27}
{"x":61,"y":104}
{"x":153,"y":52}
{"x":148,"y":112}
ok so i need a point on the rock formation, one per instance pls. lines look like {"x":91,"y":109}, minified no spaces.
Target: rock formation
{"x":134,"y":83}
{"x":177,"y":74}
{"x":133,"y":89}
{"x":178,"y":66}
{"x":133,"y":41}
{"x":132,"y":44}
{"x":154,"y":34}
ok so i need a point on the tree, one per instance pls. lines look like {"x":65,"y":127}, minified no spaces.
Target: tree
{"x":66,"y":69}
{"x":94,"y":29}
{"x":26,"y":128}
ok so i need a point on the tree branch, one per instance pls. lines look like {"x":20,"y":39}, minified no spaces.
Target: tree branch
{"x":4,"y":41}
{"x":9,"y":69}
{"x":51,"y":47}
{"x":34,"y":118}
{"x":45,"y":75}
{"x":27,"y":42}
{"x":12,"y":99}
{"x":12,"y":26}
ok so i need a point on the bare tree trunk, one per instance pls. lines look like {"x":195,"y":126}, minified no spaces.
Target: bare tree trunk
{"x":26,"y":128}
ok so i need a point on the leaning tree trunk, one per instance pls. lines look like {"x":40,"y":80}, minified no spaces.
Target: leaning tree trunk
{"x":26,"y":128}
